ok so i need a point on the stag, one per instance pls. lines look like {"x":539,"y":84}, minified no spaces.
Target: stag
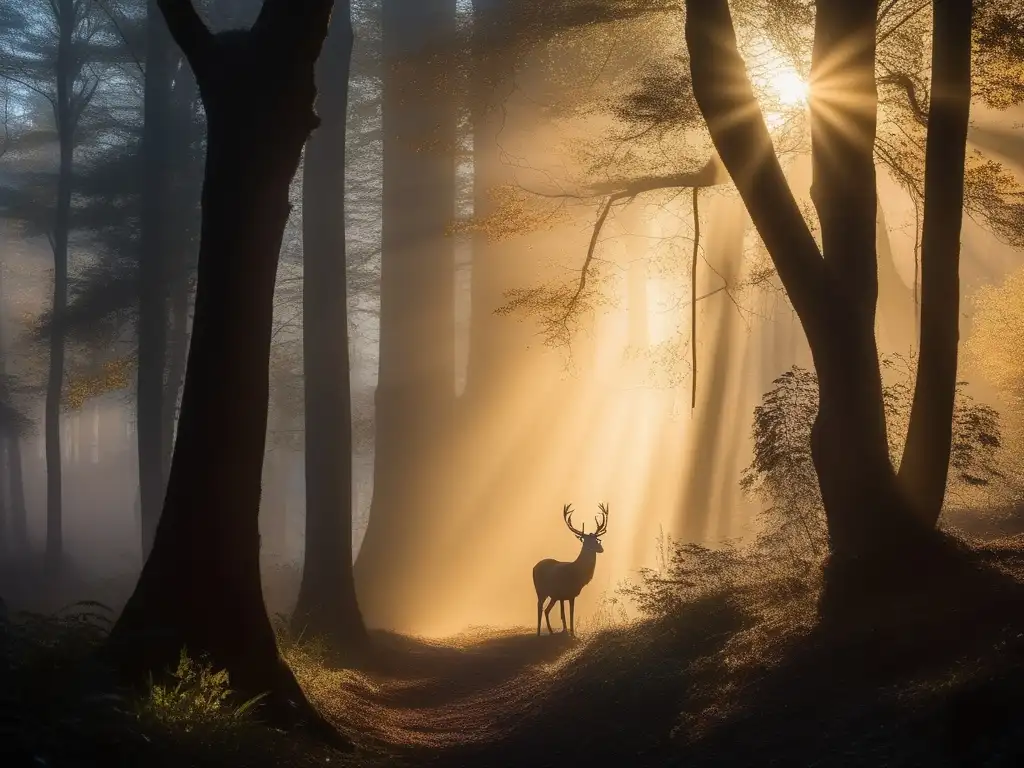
{"x":564,"y":581}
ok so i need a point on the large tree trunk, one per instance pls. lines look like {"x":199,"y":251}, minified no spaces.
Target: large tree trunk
{"x":415,"y":389}
{"x":327,"y":598}
{"x":156,"y":237}
{"x":925,"y":464}
{"x":66,"y":16}
{"x":200,"y":588}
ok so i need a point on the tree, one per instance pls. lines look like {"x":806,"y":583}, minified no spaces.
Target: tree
{"x":200,"y":588}
{"x":415,"y":394}
{"x":327,"y":602}
{"x":923,"y":470}
{"x":157,"y":157}
{"x":834,"y":289}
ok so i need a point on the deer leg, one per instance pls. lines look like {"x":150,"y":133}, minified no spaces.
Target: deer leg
{"x":561,"y":607}
{"x":572,"y":619}
{"x":540,"y":610}
{"x":547,"y":615}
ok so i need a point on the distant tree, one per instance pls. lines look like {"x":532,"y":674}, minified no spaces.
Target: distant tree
{"x":200,"y":588}
{"x":327,"y":603}
{"x":59,"y":51}
{"x":415,"y":396}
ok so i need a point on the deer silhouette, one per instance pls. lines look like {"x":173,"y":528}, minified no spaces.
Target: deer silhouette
{"x":564,"y":581}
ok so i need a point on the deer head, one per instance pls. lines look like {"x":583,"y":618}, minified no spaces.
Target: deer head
{"x":591,"y":541}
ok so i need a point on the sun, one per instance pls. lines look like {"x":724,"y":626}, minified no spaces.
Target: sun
{"x":790,"y":88}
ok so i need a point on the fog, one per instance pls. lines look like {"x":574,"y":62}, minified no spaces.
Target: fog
{"x":602,"y":415}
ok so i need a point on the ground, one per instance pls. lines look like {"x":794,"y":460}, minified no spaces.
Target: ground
{"x":732,"y":678}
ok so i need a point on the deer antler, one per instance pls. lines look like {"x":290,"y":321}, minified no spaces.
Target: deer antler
{"x":567,"y":516}
{"x":602,"y":524}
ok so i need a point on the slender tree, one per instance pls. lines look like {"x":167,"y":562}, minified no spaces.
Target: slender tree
{"x":925,"y":464}
{"x":200,"y":588}
{"x":156,"y":236}
{"x":327,"y":602}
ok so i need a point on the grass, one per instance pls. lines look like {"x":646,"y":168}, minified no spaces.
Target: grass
{"x":731,"y":670}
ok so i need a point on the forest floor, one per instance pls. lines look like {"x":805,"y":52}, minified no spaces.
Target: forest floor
{"x":735,"y":678}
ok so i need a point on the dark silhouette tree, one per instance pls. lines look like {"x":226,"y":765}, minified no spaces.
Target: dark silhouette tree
{"x":327,"y":604}
{"x":200,"y":588}
{"x":834,"y":288}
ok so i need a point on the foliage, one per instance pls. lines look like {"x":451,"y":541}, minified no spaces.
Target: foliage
{"x":782,"y":473}
{"x":997,"y":336}
{"x":199,"y":695}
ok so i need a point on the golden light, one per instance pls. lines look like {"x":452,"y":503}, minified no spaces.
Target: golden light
{"x":790,"y":88}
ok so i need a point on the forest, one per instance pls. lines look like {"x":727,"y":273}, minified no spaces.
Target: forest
{"x":697,"y":320}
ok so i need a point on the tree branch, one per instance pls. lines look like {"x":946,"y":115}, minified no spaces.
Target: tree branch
{"x":907,"y":84}
{"x":301,"y":24}
{"x":726,"y":99}
{"x":693,"y":299}
{"x":189,"y":32}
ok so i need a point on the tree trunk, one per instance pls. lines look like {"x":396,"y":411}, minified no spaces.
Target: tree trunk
{"x":415,"y":393}
{"x":66,"y":15}
{"x":156,"y":234}
{"x":327,"y":603}
{"x":6,"y":545}
{"x":274,"y":506}
{"x":200,"y":588}
{"x":925,"y":465}
{"x":17,"y":508}
{"x":834,"y":296}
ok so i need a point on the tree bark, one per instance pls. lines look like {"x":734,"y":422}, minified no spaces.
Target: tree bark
{"x":925,"y":464}
{"x":327,"y":602}
{"x":66,"y":16}
{"x":200,"y":588}
{"x":415,"y":394}
{"x":156,"y":235}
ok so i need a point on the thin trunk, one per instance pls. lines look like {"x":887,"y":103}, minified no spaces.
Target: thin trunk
{"x":6,"y":545}
{"x":200,"y":588}
{"x":18,"y":510}
{"x":925,"y":465}
{"x":61,"y":231}
{"x":177,"y":351}
{"x":156,"y":149}
{"x":274,"y":507}
{"x":327,"y":602}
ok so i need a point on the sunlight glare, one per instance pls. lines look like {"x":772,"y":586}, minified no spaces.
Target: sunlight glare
{"x":790,"y":88}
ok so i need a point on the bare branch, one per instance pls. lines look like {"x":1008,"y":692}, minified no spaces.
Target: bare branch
{"x":905,"y":82}
{"x":693,"y":298}
{"x":726,"y":99}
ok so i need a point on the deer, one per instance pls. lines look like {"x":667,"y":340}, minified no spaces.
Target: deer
{"x":562,"y":581}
